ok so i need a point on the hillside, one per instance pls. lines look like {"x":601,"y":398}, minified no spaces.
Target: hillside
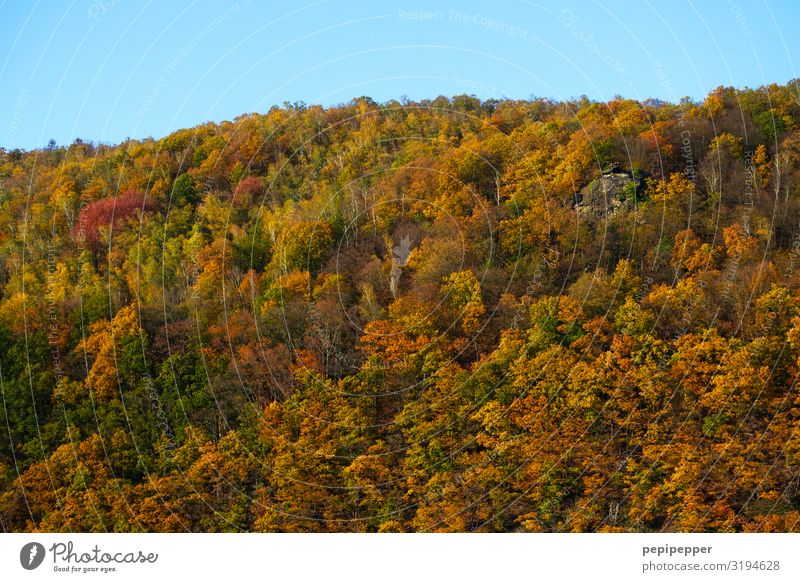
{"x":447,"y":315}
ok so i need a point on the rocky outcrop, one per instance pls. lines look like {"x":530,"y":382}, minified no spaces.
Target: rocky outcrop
{"x":613,"y":191}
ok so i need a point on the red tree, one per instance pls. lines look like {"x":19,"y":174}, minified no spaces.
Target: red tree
{"x":105,"y":212}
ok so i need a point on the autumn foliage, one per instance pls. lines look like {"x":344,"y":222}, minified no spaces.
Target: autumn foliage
{"x":443,"y":315}
{"x":105,"y":212}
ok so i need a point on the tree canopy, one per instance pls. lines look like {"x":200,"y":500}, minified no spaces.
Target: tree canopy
{"x":444,"y":315}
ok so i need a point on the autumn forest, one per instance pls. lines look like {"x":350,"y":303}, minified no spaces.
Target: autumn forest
{"x":444,"y":315}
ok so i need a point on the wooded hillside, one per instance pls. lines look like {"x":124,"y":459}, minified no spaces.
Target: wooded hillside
{"x":447,"y":315}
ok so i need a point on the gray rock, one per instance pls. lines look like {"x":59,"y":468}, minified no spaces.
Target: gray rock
{"x":614,"y":191}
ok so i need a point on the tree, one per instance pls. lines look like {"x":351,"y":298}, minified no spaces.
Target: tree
{"x":106,"y":212}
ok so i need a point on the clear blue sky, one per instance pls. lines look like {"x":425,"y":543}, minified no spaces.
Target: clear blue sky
{"x":104,"y":70}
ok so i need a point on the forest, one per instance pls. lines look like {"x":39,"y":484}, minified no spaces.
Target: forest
{"x":446,"y":315}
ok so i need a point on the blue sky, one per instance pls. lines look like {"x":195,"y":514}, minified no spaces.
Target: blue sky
{"x":104,"y":70}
